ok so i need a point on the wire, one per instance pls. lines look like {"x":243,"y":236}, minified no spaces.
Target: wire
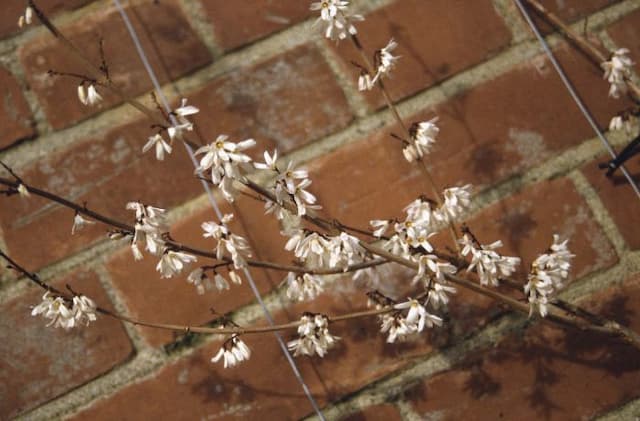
{"x":574,"y":95}
{"x":212,"y":200}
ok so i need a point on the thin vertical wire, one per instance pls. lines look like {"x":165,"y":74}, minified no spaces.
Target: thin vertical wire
{"x":212,"y":201}
{"x":574,"y":95}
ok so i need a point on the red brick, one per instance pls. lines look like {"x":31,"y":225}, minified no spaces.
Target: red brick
{"x":570,"y":10}
{"x":436,"y":40}
{"x":625,"y":33}
{"x":151,"y":298}
{"x":547,"y":373}
{"x":526,"y":222}
{"x":618,"y":197}
{"x":12,"y":9}
{"x":382,"y":412}
{"x":495,"y":130}
{"x":237,"y":23}
{"x":172,"y":46}
{"x":40,"y":363}
{"x":195,"y":388}
{"x":287,"y":101}
{"x":15,"y":117}
{"x":107,"y":172}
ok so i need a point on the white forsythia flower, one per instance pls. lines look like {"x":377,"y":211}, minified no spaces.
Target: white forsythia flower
{"x":397,"y":327}
{"x":173,"y":262}
{"x":84,"y":310}
{"x":269,"y":161}
{"x":55,"y":309}
{"x":418,"y":317}
{"x":233,"y":352}
{"x":626,"y":122}
{"x":386,"y":60}
{"x":160,"y":144}
{"x":235,"y":245}
{"x":150,"y":225}
{"x":365,"y":82}
{"x":489,"y":265}
{"x":185,"y":110}
{"x":314,"y":336}
{"x":456,"y":202}
{"x":381,"y":226}
{"x":23,"y":191}
{"x":548,"y":273}
{"x":27,"y":18}
{"x":337,"y":22}
{"x":89,"y":97}
{"x":300,"y":288}
{"x":423,"y":137}
{"x":225,"y":160}
{"x":79,"y":222}
{"x":200,"y":280}
{"x":617,"y":70}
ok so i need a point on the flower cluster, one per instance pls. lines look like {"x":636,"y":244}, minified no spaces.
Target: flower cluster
{"x":423,"y":137}
{"x":225,"y":160}
{"x":302,"y":287}
{"x":151,"y":224}
{"x":26,"y":18}
{"x":548,"y":273}
{"x":201,"y":281}
{"x":433,"y":275}
{"x":291,"y":183}
{"x":490,"y":265}
{"x":173,"y":262}
{"x":422,"y":221}
{"x":314,"y":336}
{"x":617,"y":71}
{"x":318,"y":251}
{"x":233,"y":352}
{"x":175,"y":131}
{"x":54,"y":308}
{"x":235,"y":245}
{"x":384,"y":62}
{"x":333,"y":13}
{"x":400,"y":326}
{"x":89,"y":96}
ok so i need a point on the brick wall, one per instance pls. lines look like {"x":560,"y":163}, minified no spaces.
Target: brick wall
{"x":256,"y":68}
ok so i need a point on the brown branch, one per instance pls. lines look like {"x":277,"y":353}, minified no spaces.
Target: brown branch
{"x":183,"y":328}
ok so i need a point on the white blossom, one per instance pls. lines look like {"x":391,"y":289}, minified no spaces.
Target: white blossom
{"x":423,"y":137}
{"x":23,"y":191}
{"x":150,"y":225}
{"x":79,"y":222}
{"x":26,"y":18}
{"x":489,"y":265}
{"x":232,"y":352}
{"x":199,"y":279}
{"x":224,"y":159}
{"x":228,"y":243}
{"x":617,"y":71}
{"x":381,"y":227}
{"x":397,"y":327}
{"x":160,"y":144}
{"x":418,"y":317}
{"x":365,"y":82}
{"x":269,"y":161}
{"x":313,"y":336}
{"x":303,"y":287}
{"x":386,"y":59}
{"x":82,"y":312}
{"x":456,"y":202}
{"x":185,"y":110}
{"x":334,"y":15}
{"x":89,"y":97}
{"x":548,"y":273}
{"x":628,"y":123}
{"x":173,"y":262}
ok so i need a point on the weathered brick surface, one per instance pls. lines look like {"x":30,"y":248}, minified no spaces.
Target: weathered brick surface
{"x":15,"y":117}
{"x":195,"y":388}
{"x":382,"y":412}
{"x":547,"y":373}
{"x":236,"y":23}
{"x":287,"y":101}
{"x":173,"y":300}
{"x":12,"y":9}
{"x":39,"y":363}
{"x":106,"y":172}
{"x":172,"y":53}
{"x":626,"y":33}
{"x":618,"y":197}
{"x":436,"y":40}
